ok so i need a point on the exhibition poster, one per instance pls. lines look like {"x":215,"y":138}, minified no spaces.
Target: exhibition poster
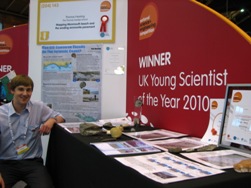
{"x":71,"y":81}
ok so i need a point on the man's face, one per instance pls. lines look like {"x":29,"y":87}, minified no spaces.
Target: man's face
{"x":22,"y":94}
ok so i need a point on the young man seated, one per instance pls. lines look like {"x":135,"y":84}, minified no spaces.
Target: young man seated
{"x":22,"y":123}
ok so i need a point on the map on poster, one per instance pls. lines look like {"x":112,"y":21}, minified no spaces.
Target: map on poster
{"x":57,"y":66}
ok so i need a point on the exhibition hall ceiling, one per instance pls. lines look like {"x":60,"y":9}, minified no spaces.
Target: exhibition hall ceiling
{"x":16,"y":8}
{"x":13,"y":13}
{"x":238,"y":11}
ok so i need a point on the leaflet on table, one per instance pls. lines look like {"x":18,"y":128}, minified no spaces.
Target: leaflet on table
{"x":166,"y":168}
{"x":74,"y":126}
{"x":184,"y":143}
{"x":71,"y":127}
{"x":154,"y":134}
{"x":117,"y":121}
{"x":212,"y":133}
{"x":222,"y":159}
{"x":125,"y":147}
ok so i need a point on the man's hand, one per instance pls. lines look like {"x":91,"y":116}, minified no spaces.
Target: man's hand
{"x":47,"y":126}
{"x":1,"y":182}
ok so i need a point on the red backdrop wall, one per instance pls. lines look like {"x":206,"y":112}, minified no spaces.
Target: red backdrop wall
{"x":199,"y":52}
{"x":14,"y":50}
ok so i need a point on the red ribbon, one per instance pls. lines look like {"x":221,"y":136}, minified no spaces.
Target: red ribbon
{"x":104,"y":20}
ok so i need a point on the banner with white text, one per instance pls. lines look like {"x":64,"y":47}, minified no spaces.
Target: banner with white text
{"x":181,"y":54}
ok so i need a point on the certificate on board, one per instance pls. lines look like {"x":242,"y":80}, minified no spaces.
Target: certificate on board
{"x":78,"y":21}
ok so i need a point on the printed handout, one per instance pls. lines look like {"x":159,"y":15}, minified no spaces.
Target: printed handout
{"x":166,"y":167}
{"x":184,"y":143}
{"x":117,"y":121}
{"x":213,"y":130}
{"x":71,"y":127}
{"x":154,"y":134}
{"x":125,"y":147}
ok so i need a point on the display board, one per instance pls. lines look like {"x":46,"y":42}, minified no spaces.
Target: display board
{"x":181,"y":54}
{"x":13,"y":57}
{"x":14,"y":50}
{"x":236,"y":119}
